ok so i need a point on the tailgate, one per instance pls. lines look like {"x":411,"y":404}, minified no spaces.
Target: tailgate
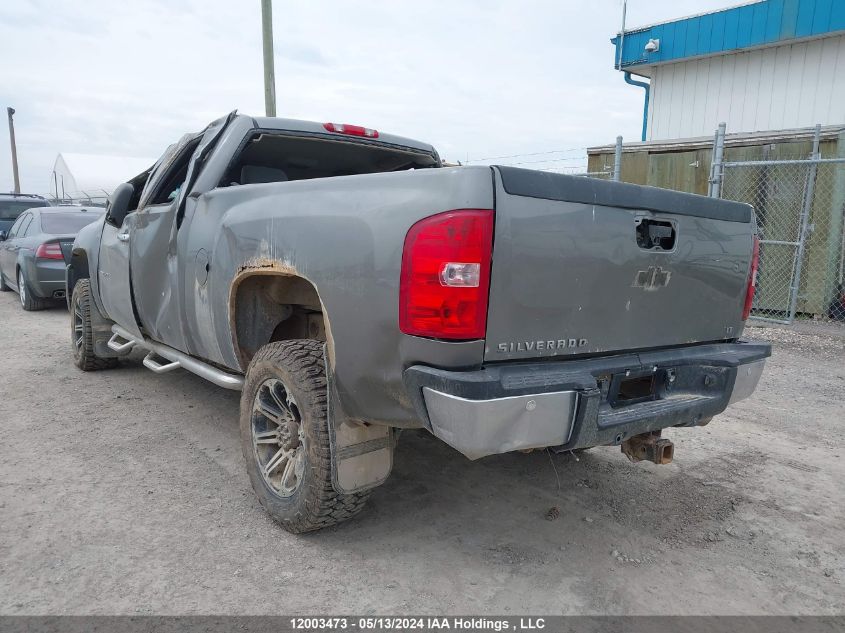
{"x":585,"y":266}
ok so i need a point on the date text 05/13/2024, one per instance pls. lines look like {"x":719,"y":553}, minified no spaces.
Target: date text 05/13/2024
{"x":431,"y":623}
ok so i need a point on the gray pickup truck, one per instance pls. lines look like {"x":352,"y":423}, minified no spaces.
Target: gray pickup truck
{"x":352,"y":286}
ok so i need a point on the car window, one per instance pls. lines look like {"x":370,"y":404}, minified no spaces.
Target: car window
{"x":16,"y":227}
{"x":11,"y":209}
{"x":28,"y":227}
{"x":13,"y":229}
{"x":170,"y":171}
{"x":172,"y":179}
{"x":61,"y":223}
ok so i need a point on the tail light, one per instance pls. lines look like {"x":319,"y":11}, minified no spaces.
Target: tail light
{"x":49,"y":250}
{"x":752,"y":279}
{"x":446,"y":275}
{"x":351,"y":130}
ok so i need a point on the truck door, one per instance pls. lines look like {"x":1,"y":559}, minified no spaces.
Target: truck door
{"x":153,"y":256}
{"x":113,"y":272}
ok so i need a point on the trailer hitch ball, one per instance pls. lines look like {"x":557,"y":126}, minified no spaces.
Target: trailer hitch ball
{"x":649,"y":447}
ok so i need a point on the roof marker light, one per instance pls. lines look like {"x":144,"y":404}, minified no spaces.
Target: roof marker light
{"x":351,"y":130}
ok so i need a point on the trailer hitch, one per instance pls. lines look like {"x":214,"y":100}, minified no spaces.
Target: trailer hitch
{"x":649,"y":447}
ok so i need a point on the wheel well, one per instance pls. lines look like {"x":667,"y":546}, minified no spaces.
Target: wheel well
{"x":271,"y":306}
{"x":76,"y":270}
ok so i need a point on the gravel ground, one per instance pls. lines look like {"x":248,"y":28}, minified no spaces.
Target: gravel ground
{"x":123,"y":492}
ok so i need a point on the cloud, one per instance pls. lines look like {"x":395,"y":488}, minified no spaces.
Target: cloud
{"x":475,"y":78}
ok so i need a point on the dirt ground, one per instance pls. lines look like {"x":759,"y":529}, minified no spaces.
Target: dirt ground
{"x":123,"y":492}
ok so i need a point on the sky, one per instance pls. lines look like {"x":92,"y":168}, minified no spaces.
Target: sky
{"x":532,"y":80}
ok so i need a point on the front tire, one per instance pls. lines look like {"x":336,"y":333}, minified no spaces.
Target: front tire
{"x":29,"y":301}
{"x":82,"y":332}
{"x":285,"y":438}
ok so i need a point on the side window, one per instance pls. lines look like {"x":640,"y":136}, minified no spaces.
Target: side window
{"x":14,"y":228}
{"x":171,"y":183}
{"x":18,"y":227}
{"x":30,"y":228}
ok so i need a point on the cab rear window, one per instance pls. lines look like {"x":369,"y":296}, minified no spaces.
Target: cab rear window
{"x":278,"y":157}
{"x":58,"y":223}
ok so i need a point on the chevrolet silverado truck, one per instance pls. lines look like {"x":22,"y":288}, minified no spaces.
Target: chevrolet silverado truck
{"x":351,"y":286}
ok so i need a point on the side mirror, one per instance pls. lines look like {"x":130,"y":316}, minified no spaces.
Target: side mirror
{"x":118,"y":204}
{"x":2,"y":236}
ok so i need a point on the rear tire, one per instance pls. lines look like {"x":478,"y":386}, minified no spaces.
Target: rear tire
{"x":29,"y":301}
{"x":285,"y":438}
{"x":82,"y":332}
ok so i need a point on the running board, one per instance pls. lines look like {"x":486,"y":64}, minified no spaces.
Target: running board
{"x":159,"y":368}
{"x":123,"y":340}
{"x":118,"y":343}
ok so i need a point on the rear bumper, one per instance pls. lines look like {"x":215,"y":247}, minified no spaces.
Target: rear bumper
{"x":47,"y":278}
{"x":576,"y":403}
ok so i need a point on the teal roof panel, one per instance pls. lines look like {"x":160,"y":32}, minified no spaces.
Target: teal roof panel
{"x":767,"y":22}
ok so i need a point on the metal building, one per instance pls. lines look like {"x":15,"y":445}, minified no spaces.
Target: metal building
{"x":764,"y":65}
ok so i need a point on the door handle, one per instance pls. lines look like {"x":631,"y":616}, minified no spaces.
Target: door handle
{"x":123,"y":236}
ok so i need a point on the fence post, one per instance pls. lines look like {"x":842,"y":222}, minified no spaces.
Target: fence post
{"x":617,"y":160}
{"x":716,"y":170}
{"x":806,"y":207}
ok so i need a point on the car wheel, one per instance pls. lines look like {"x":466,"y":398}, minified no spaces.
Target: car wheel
{"x":82,"y":332}
{"x":29,"y":301}
{"x":3,"y":286}
{"x":285,"y":437}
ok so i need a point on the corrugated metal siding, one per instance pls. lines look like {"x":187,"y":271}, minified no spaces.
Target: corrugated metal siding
{"x":758,"y":24}
{"x":783,"y":87}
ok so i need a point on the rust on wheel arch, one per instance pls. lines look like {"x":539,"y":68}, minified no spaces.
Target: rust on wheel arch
{"x":268,"y":267}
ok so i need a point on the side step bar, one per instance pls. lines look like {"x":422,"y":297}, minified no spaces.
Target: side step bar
{"x":123,"y":341}
{"x":156,"y":367}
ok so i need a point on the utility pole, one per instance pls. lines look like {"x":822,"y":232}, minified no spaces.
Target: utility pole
{"x":10,"y":112}
{"x":621,"y":36}
{"x":269,"y":73}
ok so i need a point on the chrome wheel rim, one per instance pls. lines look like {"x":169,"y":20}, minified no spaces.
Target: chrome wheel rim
{"x":21,"y":288}
{"x":78,"y":328}
{"x":278,"y":439}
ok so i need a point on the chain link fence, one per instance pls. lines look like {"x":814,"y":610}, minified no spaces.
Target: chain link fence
{"x":799,"y":202}
{"x":799,"y":206}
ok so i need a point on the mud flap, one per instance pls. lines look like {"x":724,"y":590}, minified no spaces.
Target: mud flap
{"x":101,"y":328}
{"x":362,"y":454}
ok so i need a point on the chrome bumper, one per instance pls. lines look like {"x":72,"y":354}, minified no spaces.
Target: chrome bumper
{"x":485,"y":427}
{"x":747,"y":377}
{"x":573,"y":404}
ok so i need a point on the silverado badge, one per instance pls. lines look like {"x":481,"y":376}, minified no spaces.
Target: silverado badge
{"x":540,"y":346}
{"x":652,"y":279}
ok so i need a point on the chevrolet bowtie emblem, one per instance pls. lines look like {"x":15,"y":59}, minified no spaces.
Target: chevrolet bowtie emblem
{"x":652,"y":279}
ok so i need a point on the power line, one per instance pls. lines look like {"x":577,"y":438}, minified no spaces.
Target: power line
{"x":553,"y":151}
{"x":566,"y":167}
{"x":546,"y":160}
